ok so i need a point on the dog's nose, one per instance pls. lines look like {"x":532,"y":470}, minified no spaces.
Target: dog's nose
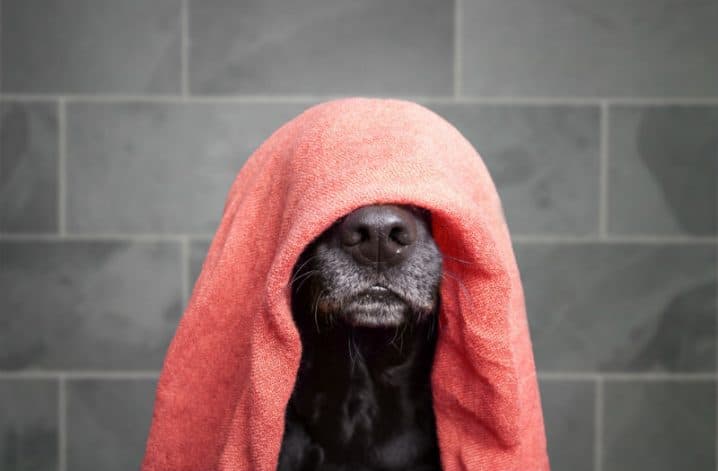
{"x":378,"y":234}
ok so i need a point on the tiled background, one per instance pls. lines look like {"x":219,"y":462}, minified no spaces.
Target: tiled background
{"x":124,"y":122}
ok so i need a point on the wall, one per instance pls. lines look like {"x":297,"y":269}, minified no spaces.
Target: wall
{"x":123,"y":124}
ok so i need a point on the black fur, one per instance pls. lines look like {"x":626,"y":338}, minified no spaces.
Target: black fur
{"x":362,"y":398}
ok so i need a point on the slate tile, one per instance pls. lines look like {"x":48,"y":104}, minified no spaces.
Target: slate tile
{"x":659,"y":426}
{"x":587,"y":48}
{"x":28,"y":425}
{"x":107,"y":423}
{"x":621,"y":307}
{"x":321,"y":47}
{"x":544,"y":162}
{"x":88,"y":305}
{"x":663,"y":170}
{"x":157,"y":167}
{"x":90,"y":46}
{"x":568,"y":408}
{"x":28,"y":167}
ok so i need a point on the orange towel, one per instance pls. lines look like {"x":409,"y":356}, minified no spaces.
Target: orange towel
{"x":230,"y":369}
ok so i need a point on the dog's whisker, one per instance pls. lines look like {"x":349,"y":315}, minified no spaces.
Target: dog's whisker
{"x":396,"y":333}
{"x":353,"y":350}
{"x":298,"y":270}
{"x":460,"y":283}
{"x":349,"y":348}
{"x":400,"y":335}
{"x":316,"y":308}
{"x":306,"y":277}
{"x":457,"y":259}
{"x":299,"y":275}
{"x":432,"y":325}
{"x":401,"y":338}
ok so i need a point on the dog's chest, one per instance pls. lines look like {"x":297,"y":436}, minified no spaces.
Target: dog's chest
{"x":359,"y":408}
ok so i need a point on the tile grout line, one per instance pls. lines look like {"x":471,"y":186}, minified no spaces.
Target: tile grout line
{"x":185,"y":253}
{"x":622,"y":377}
{"x":603,"y":173}
{"x":458,"y":11}
{"x":62,"y":424}
{"x":184,"y":61}
{"x":613,"y":239}
{"x":308,"y":99}
{"x":2,"y":218}
{"x":139,"y":237}
{"x":518,"y":239}
{"x":1,"y":62}
{"x":61,"y":167}
{"x":66,"y":375}
{"x":598,"y":427}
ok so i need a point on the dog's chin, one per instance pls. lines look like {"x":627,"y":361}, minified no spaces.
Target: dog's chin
{"x":374,"y":314}
{"x":376,"y":307}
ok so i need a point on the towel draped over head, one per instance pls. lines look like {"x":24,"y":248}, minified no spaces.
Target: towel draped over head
{"x":231,"y":366}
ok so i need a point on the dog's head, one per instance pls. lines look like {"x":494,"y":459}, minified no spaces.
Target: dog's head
{"x":377,"y":266}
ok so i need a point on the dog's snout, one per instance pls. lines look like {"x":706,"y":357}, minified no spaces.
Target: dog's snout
{"x":378,"y":234}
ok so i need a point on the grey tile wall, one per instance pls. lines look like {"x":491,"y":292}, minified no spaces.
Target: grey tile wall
{"x":664,"y":162}
{"x":544,"y":160}
{"x":586,"y":48}
{"x":29,"y":424}
{"x":570,"y":423}
{"x":164,"y":168}
{"x":88,"y":304}
{"x":122,"y":125}
{"x":621,"y":307}
{"x":661,"y":426}
{"x":90,"y":46}
{"x":322,"y":46}
{"x":107,"y":423}
{"x":28,"y":170}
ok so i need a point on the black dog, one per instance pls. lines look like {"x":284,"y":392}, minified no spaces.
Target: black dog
{"x":365,"y":301}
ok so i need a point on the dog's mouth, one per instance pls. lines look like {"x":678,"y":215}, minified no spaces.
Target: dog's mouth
{"x":375,"y":306}
{"x":377,"y":291}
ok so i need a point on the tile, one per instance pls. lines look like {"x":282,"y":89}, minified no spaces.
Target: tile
{"x":28,"y":425}
{"x":568,"y":408}
{"x":107,"y":423}
{"x":88,"y":305}
{"x":663,"y":170}
{"x":28,"y":167}
{"x":159,"y":168}
{"x":587,"y":48}
{"x":621,"y":307}
{"x":544,"y":161}
{"x":90,"y":46}
{"x":402,"y":47}
{"x":659,"y":426}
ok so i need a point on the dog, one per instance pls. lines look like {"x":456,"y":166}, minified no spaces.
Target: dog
{"x":365,"y":300}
